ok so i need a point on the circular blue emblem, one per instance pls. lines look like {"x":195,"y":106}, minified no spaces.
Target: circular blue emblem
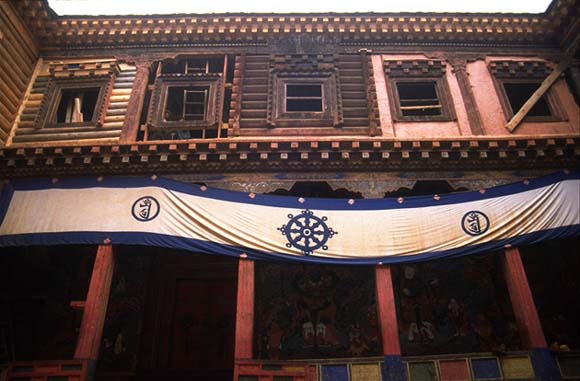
{"x":475,"y":223}
{"x":145,"y":209}
{"x":307,"y":232}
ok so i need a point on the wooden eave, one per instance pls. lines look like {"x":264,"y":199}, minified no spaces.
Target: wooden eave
{"x":439,"y":28}
{"x":293,"y":154}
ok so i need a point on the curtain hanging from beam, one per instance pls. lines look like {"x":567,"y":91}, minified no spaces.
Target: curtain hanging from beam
{"x":166,"y":213}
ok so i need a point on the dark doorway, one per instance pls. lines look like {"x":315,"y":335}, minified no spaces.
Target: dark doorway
{"x":189,"y":329}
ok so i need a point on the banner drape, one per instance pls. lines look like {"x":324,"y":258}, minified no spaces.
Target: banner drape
{"x":167,"y":213}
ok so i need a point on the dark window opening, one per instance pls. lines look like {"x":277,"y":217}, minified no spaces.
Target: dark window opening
{"x":186,"y":103}
{"x":316,"y":189}
{"x":194,"y":66}
{"x":519,"y":93}
{"x":77,"y":105}
{"x":304,"y":98}
{"x":419,"y":99}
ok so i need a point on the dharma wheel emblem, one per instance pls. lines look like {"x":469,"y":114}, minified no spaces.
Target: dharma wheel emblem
{"x":145,"y":209}
{"x":307,"y":232}
{"x":475,"y":223}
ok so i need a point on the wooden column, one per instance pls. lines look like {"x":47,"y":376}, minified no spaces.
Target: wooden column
{"x":473,"y":116}
{"x":135,"y":106}
{"x":393,"y":368}
{"x":387,"y":312}
{"x":91,"y":330}
{"x":245,"y":311}
{"x":527,"y":318}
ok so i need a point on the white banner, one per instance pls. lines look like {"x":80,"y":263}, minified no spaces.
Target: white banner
{"x":170,"y":214}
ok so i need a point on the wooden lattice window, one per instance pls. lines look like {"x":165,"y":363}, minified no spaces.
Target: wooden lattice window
{"x":305,"y":100}
{"x":188,"y":99}
{"x":185,"y":106}
{"x":186,"y":103}
{"x":418,"y":91}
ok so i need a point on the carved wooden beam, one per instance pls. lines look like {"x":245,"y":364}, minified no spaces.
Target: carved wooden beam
{"x":531,"y":102}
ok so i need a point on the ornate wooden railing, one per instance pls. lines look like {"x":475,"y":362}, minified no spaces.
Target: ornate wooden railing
{"x":61,"y":370}
{"x":466,"y":367}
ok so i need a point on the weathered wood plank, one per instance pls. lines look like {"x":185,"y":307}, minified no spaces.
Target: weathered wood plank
{"x":22,"y":32}
{"x":67,"y":136}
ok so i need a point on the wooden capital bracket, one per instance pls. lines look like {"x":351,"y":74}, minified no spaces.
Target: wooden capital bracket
{"x":530,"y":103}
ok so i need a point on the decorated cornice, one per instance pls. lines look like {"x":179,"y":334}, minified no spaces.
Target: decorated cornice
{"x":300,"y":154}
{"x":88,"y":31}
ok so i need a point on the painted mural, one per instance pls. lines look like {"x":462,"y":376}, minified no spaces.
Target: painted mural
{"x":454,"y":306}
{"x":308,"y":311}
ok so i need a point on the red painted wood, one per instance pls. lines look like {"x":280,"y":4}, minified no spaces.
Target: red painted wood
{"x":387,"y":311}
{"x":42,"y":370}
{"x":91,"y":330}
{"x":454,"y":370}
{"x":245,"y":310}
{"x":527,"y":318}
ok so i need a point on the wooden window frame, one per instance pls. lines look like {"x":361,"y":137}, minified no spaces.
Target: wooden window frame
{"x":47,"y":118}
{"x":443,"y":95}
{"x":330,"y":116}
{"x":159,"y":101}
{"x":549,"y":96}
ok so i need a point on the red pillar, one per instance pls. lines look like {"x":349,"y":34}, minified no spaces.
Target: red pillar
{"x":387,"y":312}
{"x":245,"y":311}
{"x":527,"y":318}
{"x":91,"y":330}
{"x":393,"y":368}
